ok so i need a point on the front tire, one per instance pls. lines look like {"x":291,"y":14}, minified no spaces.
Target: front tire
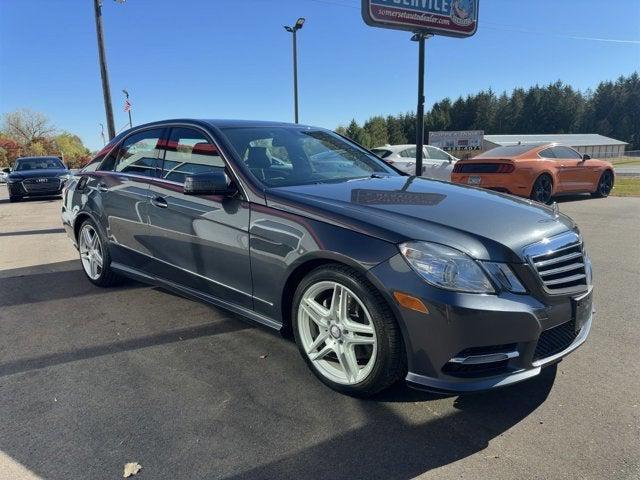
{"x":542,"y":190}
{"x":346,"y":332}
{"x":14,"y":198}
{"x":605,"y":185}
{"x":94,"y":256}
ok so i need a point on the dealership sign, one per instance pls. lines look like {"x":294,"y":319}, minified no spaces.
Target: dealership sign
{"x":464,"y":140}
{"x":454,"y":18}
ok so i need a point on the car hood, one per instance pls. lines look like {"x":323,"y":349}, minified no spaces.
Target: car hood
{"x":485,"y":224}
{"x":39,"y":173}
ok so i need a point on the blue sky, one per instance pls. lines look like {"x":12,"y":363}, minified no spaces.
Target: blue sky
{"x":232,"y":58}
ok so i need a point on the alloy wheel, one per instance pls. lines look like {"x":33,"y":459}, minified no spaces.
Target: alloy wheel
{"x":337,"y":333}
{"x":606,"y":184}
{"x":542,"y":189}
{"x":91,"y":252}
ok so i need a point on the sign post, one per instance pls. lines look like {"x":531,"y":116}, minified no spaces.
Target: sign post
{"x":425,"y":18}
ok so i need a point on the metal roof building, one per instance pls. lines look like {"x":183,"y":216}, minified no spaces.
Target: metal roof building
{"x":590,"y":143}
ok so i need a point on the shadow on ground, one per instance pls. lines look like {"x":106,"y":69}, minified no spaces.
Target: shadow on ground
{"x":210,"y":399}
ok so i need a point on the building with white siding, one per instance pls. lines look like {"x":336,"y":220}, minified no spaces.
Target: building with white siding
{"x":598,"y":146}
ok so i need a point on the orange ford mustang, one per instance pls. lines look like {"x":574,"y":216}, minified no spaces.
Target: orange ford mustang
{"x":536,"y":170}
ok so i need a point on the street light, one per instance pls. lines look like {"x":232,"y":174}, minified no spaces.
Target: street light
{"x":104,"y":74}
{"x":293,"y":30}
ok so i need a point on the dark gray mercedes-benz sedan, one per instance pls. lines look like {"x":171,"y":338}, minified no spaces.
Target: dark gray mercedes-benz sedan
{"x":378,"y":275}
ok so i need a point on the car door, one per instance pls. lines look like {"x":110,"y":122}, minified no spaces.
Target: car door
{"x":571,"y":171}
{"x":122,"y":187}
{"x":436,"y":164}
{"x":198,"y":241}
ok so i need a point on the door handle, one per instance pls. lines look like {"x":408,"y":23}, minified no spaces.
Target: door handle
{"x":159,"y":202}
{"x":103,"y":187}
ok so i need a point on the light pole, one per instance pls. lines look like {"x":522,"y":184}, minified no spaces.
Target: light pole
{"x":420,"y":38}
{"x":293,"y":30}
{"x":127,"y":106}
{"x":106,"y":90}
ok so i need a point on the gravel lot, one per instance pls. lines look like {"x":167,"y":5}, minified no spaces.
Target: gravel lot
{"x":91,"y":379}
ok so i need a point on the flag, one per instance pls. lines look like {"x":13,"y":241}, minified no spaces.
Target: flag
{"x":127,"y":105}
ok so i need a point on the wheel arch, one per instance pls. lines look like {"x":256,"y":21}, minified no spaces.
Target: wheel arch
{"x":549,"y":173}
{"x":303,"y":267}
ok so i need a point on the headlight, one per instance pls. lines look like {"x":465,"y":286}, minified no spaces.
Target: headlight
{"x":446,"y":267}
{"x":13,"y":180}
{"x":65,"y":177}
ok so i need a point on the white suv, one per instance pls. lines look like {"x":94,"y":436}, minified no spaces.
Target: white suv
{"x":436,"y":163}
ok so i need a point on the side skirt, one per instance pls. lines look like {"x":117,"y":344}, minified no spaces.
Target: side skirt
{"x":190,"y":293}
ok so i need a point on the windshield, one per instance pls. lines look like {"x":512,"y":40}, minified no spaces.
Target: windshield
{"x":283,"y":156}
{"x":23,"y":164}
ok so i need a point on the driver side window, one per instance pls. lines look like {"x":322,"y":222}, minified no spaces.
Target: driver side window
{"x":188,"y":151}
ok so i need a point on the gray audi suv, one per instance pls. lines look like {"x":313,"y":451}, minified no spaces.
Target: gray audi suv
{"x":379,"y":276}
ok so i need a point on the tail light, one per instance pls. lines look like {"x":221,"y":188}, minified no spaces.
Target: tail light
{"x":505,"y":168}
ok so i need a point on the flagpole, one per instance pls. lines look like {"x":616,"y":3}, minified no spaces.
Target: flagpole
{"x":126,"y":94}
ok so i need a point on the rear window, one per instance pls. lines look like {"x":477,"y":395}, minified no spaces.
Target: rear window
{"x":507,"y":151}
{"x":381,"y":152}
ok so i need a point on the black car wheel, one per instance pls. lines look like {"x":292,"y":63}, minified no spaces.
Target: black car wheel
{"x":14,"y":198}
{"x":542,"y":189}
{"x":605,"y":185}
{"x":346,"y":332}
{"x":94,"y":256}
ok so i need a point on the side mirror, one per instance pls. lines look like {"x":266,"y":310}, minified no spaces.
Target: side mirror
{"x":586,"y":157}
{"x":6,"y":170}
{"x":216,"y":182}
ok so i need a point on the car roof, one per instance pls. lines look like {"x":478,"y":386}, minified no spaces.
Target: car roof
{"x":225,"y":123}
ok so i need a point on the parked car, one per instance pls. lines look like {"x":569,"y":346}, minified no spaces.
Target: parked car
{"x":36,"y":176}
{"x":538,"y":171}
{"x":379,"y":276}
{"x":3,"y":176}
{"x":436,"y":163}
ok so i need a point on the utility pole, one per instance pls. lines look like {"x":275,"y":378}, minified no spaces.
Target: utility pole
{"x":106,"y":91}
{"x":293,"y":30}
{"x":420,"y":38}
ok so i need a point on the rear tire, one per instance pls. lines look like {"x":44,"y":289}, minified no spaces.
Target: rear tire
{"x":542,"y":190}
{"x":356,"y":346}
{"x":605,"y":185}
{"x":94,"y":256}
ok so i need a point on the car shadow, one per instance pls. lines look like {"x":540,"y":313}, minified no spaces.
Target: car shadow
{"x":217,"y":399}
{"x":573,"y":198}
{"x":389,"y":445}
{"x":49,"y":282}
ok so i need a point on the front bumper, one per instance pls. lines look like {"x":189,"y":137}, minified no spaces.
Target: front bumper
{"x":26,"y":189}
{"x":513,"y":327}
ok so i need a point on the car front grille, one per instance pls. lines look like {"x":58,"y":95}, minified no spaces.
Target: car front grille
{"x":560,"y":264}
{"x":555,"y":340}
{"x":36,"y":185}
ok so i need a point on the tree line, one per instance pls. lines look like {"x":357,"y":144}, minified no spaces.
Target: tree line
{"x":27,"y":133}
{"x":612,"y":109}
